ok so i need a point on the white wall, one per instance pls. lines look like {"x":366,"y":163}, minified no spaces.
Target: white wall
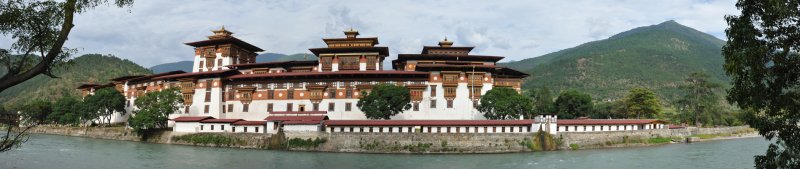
{"x":300,"y":127}
{"x":186,"y":127}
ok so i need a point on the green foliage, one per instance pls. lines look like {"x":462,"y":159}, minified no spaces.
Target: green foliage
{"x":542,"y":101}
{"x":701,"y":100}
{"x":90,"y":68}
{"x":762,"y":58}
{"x":154,"y":109}
{"x":209,"y":138}
{"x":68,"y":111}
{"x":572,"y":104}
{"x":36,"y":112}
{"x":643,"y":102}
{"x":656,"y":57}
{"x":502,"y":103}
{"x":574,"y":146}
{"x":104,"y":103}
{"x":542,"y":141}
{"x":384,"y":101}
{"x":610,"y":110}
{"x":306,"y":143}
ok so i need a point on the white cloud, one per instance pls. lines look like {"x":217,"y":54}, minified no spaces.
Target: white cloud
{"x":153,"y":32}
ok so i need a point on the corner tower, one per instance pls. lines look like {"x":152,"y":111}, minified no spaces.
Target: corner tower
{"x":222,"y":49}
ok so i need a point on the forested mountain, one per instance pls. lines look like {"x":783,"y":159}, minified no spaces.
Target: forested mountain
{"x":186,"y":66}
{"x":658,"y":57}
{"x":94,"y":68}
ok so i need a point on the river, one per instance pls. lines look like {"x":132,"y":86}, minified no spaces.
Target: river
{"x":50,"y":151}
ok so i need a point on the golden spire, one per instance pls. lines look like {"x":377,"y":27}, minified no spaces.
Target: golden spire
{"x":351,"y":33}
{"x":220,"y":33}
{"x":445,"y":43}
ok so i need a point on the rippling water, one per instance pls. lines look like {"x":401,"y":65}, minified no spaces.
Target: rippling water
{"x":48,"y":151}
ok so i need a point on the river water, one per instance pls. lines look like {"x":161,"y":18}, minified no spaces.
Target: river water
{"x":49,"y":151}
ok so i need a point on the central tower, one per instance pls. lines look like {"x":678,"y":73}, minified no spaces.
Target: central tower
{"x":222,"y":49}
{"x":350,"y":53}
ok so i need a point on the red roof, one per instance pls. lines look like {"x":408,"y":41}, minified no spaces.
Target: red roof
{"x":225,"y":40}
{"x":382,"y":50}
{"x":191,"y":118}
{"x":276,"y":64}
{"x":250,"y":123}
{"x":607,"y":121}
{"x":429,"y":122}
{"x":298,"y":112}
{"x":220,"y":120}
{"x":150,"y":77}
{"x":301,"y":122}
{"x":296,"y":118}
{"x":193,"y":74}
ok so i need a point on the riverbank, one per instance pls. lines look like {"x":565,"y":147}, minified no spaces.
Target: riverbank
{"x":416,"y":143}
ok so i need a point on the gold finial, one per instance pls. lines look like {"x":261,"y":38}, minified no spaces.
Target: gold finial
{"x":445,"y":43}
{"x":220,"y":33}
{"x":351,"y":33}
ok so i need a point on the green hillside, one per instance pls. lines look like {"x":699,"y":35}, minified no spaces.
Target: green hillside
{"x":94,"y":68}
{"x":658,"y":57}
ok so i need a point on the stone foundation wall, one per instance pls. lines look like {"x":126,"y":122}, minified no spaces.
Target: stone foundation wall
{"x":603,"y":139}
{"x":421,"y":143}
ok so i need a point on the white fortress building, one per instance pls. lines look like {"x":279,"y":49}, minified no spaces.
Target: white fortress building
{"x":227,"y":91}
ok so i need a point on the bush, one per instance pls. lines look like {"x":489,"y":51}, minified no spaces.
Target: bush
{"x":208,"y":138}
{"x":306,"y":143}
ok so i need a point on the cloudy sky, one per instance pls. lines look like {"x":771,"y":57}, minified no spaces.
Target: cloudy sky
{"x":152,"y":32}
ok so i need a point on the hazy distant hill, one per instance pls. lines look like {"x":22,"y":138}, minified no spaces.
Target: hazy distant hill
{"x":658,"y":57}
{"x":186,"y":66}
{"x":94,"y":68}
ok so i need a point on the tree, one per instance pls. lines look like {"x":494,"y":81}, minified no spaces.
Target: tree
{"x":700,"y":97}
{"x":613,"y":109}
{"x":36,"y":112}
{"x":762,"y":59}
{"x":572,"y":104}
{"x":38,"y":28}
{"x":104,"y":103}
{"x":503,"y":103}
{"x":68,"y":111}
{"x":542,"y":101}
{"x":643,"y":102}
{"x":155,"y":108}
{"x":384,"y":101}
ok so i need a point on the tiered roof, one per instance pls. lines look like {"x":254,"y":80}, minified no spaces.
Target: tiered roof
{"x":223,"y":36}
{"x":351,"y":43}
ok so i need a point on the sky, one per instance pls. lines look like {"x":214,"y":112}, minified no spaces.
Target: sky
{"x":152,"y":32}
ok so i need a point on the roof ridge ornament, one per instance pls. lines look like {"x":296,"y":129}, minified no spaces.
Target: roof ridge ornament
{"x":220,"y":33}
{"x":445,"y":43}
{"x":351,"y":33}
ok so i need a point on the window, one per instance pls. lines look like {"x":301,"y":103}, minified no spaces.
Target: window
{"x":208,"y":95}
{"x":212,"y":127}
{"x":290,"y":94}
{"x":416,"y":106}
{"x":222,"y":127}
{"x":433,"y":90}
{"x":245,"y":129}
{"x":348,"y":63}
{"x":200,"y":66}
{"x":233,"y":129}
{"x":219,"y":62}
{"x":271,"y":94}
{"x":347,"y":106}
{"x":451,"y":78}
{"x":289,"y":107}
{"x":331,"y":106}
{"x":449,"y":103}
{"x":223,"y":109}
{"x":315,"y":106}
{"x":433,"y":104}
{"x":201,"y":127}
{"x":416,"y":94}
{"x":331,"y":93}
{"x":230,"y":107}
{"x":371,"y":62}
{"x":231,"y":95}
{"x":245,"y":107}
{"x":269,"y":107}
{"x":256,"y":129}
{"x":186,"y":109}
{"x":301,"y":107}
{"x":349,"y":92}
{"x":450,"y":92}
{"x":205,"y":110}
{"x":326,"y":63}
